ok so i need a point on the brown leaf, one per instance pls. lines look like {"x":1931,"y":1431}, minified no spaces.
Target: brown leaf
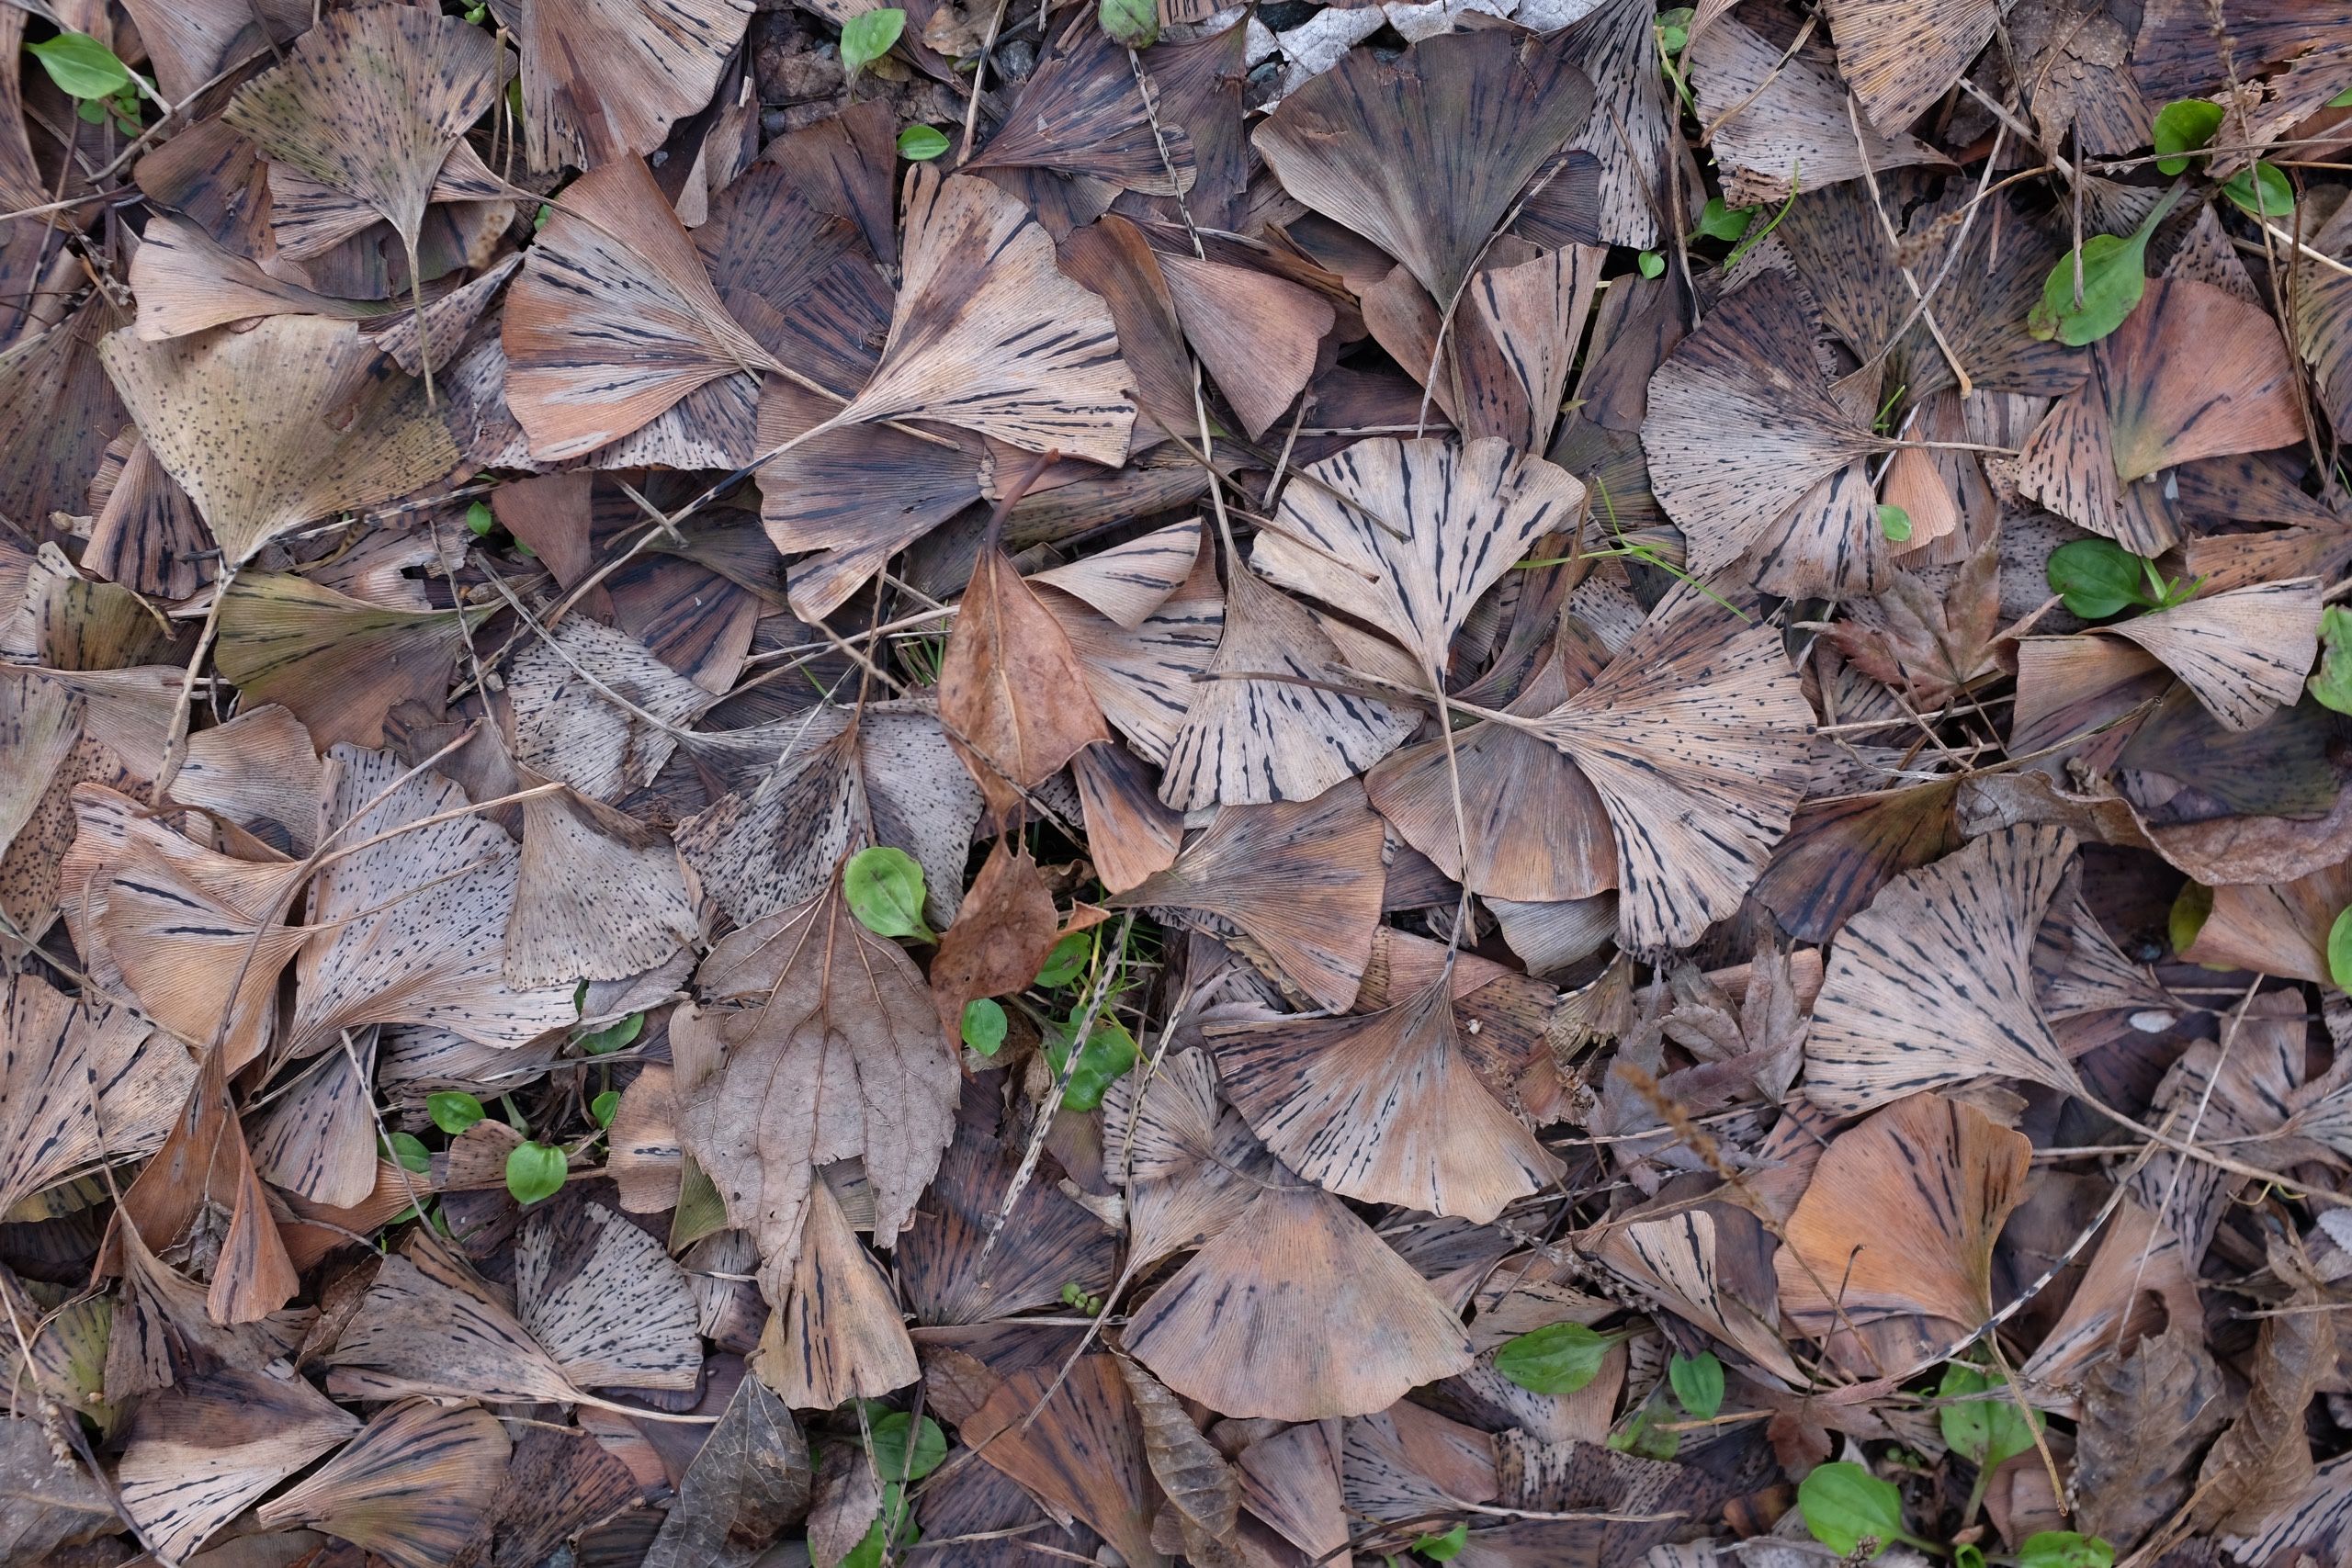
{"x":748,"y":1483}
{"x":834,"y":1053}
{"x":2264,"y":1458}
{"x":1010,"y":690}
{"x":2144,"y":1416}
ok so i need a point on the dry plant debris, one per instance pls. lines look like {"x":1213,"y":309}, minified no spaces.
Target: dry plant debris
{"x":1546,"y":783}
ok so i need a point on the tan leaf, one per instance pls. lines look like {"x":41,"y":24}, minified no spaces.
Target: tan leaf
{"x":1301,"y":882}
{"x":284,"y":423}
{"x":1296,"y":1312}
{"x":413,"y":1488}
{"x":202,"y":1449}
{"x":1897,"y":1226}
{"x":1933,"y":984}
{"x":1383,"y":1108}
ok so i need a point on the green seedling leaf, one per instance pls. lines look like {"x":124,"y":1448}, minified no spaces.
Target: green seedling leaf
{"x":1674,"y":30}
{"x":612,"y":1037}
{"x":1559,"y":1357}
{"x":2333,"y":685}
{"x":867,"y":38}
{"x":1641,"y":1434}
{"x":2064,"y":1549}
{"x":1722,"y":220}
{"x":1698,"y":1384}
{"x":1109,"y":1051}
{"x":983,"y":1028}
{"x":2340,"y":951}
{"x":1967,"y":1556}
{"x":1078,"y":1297}
{"x":1132,"y":24}
{"x":2115,"y":274}
{"x":895,"y":1517}
{"x":480,"y":519}
{"x":2342,"y":100}
{"x":1894,"y":522}
{"x":1067,"y":958}
{"x":1444,"y":1548}
{"x":453,"y":1111}
{"x":2183,"y":127}
{"x":91,"y":111}
{"x":534,"y":1171}
{"x":81,"y":66}
{"x":2191,"y":907}
{"x":1846,"y":1506}
{"x":604,"y":1107}
{"x":921,"y":143}
{"x":2096,"y":578}
{"x":1650,"y":264}
{"x":890,"y":1447}
{"x":2260,"y":191}
{"x":1986,"y":1431}
{"x":886,"y":892}
{"x":411,"y":1152}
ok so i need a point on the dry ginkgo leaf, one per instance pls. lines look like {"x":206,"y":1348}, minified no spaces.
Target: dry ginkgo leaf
{"x":79,"y":1082}
{"x":1749,"y":367}
{"x":1778,"y":111}
{"x":1702,"y":708}
{"x":1482,"y":110}
{"x":1902,"y":1010}
{"x":1408,"y":535}
{"x":597,"y":895}
{"x":2244,"y":653}
{"x":604,"y":79}
{"x":1893,"y":1240}
{"x":413,"y":919}
{"x":200,"y":938}
{"x":1264,"y":722}
{"x":1383,"y":1108}
{"x":339,"y":664}
{"x":1674,"y":1261}
{"x":430,"y":1326}
{"x":413,"y":1488}
{"x":989,"y":336}
{"x":202,"y":1449}
{"x":605,"y":1300}
{"x":1046,"y":1241}
{"x":613,"y":319}
{"x":839,"y":779}
{"x":2275,"y":928}
{"x":837,"y":1336}
{"x":1300,"y":882}
{"x":1296,"y":1312}
{"x":370,"y":103}
{"x":2193,"y":372}
{"x":1079,"y":115}
{"x":836,"y":1054}
{"x":1083,"y":1450}
{"x":287,"y":422}
{"x":1900,"y":58}
{"x":186,"y":281}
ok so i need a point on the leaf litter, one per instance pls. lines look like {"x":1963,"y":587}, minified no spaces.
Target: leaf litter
{"x":1513,"y":782}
